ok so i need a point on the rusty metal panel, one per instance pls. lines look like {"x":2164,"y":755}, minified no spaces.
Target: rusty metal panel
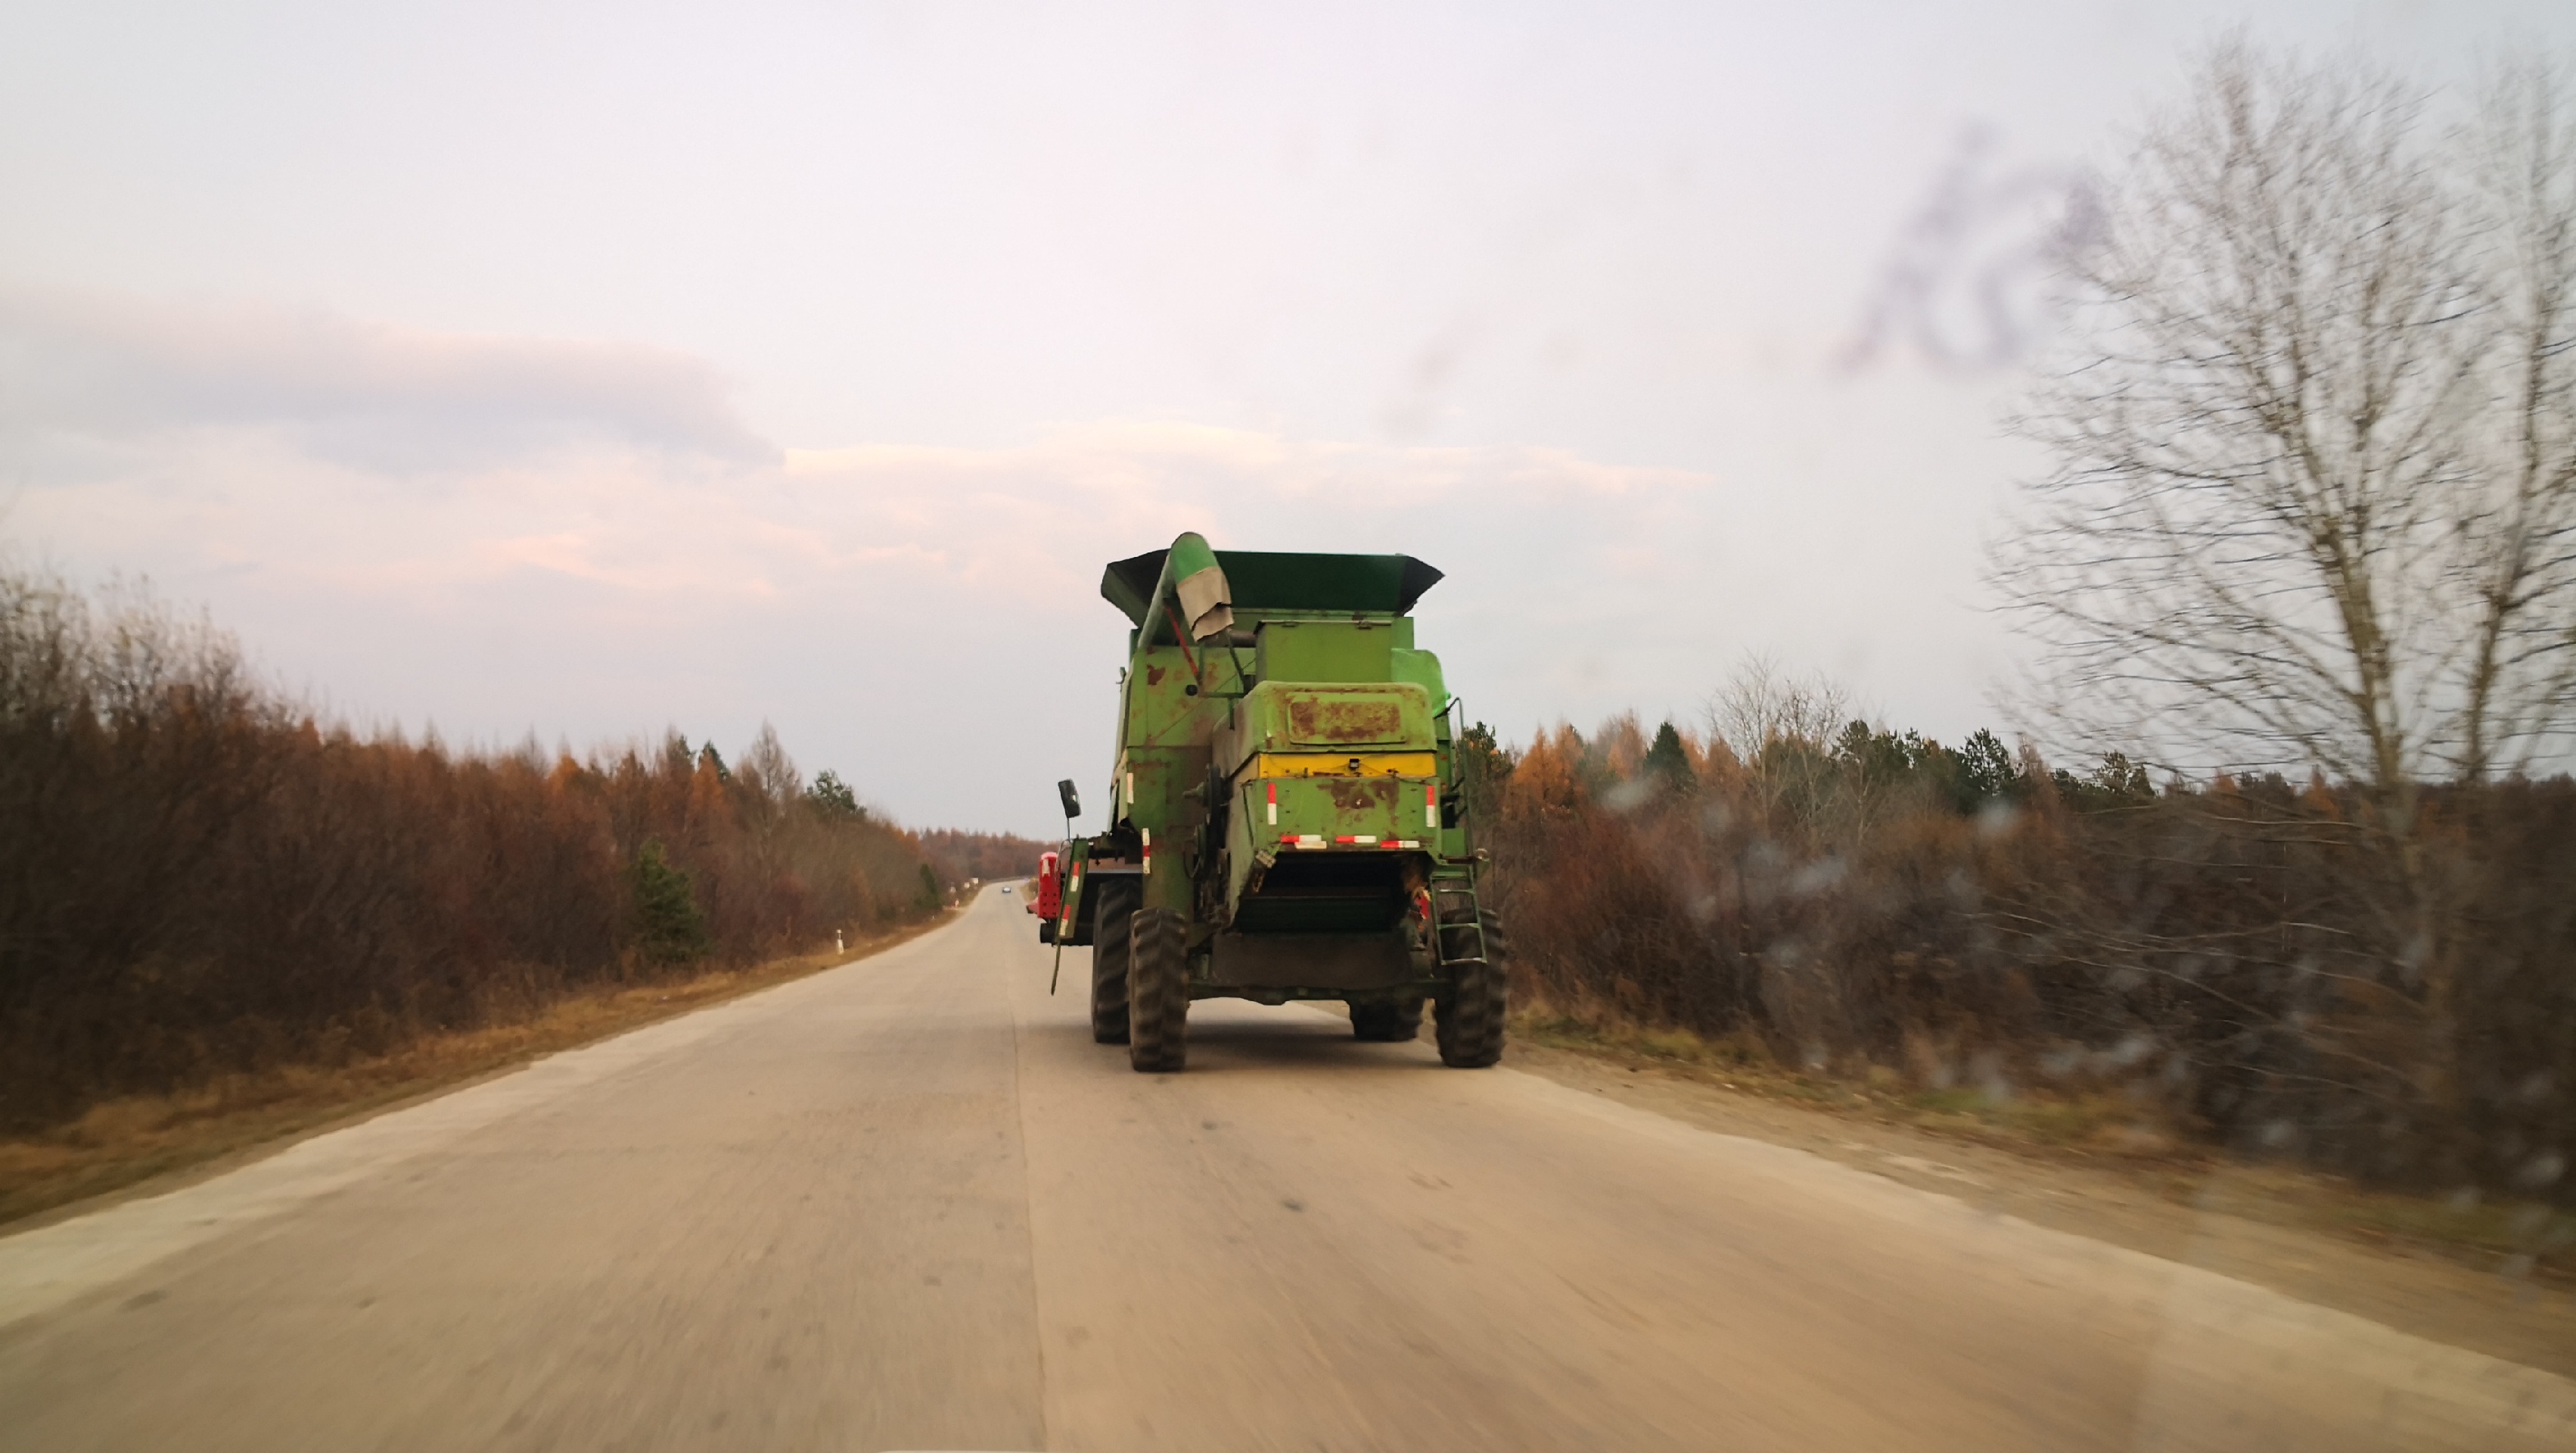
{"x":1344,"y":720}
{"x":1337,"y":764}
{"x":1286,"y":716}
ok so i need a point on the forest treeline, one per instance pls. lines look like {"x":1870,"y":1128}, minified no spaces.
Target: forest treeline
{"x":2230,"y":955}
{"x":200,"y":876}
{"x":985,"y":857}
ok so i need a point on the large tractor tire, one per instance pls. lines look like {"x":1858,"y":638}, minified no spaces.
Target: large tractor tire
{"x":1468,"y":1022}
{"x":1158,"y":991}
{"x":1109,"y":957}
{"x":1385,"y":1023}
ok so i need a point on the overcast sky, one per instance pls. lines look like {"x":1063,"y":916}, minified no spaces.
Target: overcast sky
{"x":587,"y":370}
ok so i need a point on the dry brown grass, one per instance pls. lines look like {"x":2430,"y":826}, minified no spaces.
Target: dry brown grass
{"x":2099,"y":1130}
{"x":121,"y":1143}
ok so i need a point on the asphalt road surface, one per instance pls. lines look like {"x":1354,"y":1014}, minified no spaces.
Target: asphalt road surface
{"x":909,"y":1204}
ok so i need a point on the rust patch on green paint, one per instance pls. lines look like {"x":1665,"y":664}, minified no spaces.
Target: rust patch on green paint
{"x":1359,"y":794}
{"x":1344,"y":720}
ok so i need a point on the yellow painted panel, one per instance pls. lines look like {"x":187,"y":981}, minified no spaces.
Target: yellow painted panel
{"x":1348,"y":764}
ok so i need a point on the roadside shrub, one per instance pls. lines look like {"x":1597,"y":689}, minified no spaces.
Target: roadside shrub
{"x":1972,"y":919}
{"x":198,"y":876}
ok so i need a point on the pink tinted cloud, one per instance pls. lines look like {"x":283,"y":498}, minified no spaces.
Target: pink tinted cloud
{"x":371,"y":394}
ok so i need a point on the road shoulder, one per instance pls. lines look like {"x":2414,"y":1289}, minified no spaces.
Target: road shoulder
{"x":2238,"y":1221}
{"x":151,"y":1145}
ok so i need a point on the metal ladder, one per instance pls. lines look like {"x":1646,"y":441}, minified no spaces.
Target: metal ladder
{"x":1470,"y":927}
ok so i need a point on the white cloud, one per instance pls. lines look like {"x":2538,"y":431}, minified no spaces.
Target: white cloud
{"x":116,"y":371}
{"x":923,"y":618}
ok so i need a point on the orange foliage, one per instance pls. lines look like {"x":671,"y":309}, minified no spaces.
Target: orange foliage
{"x":2225,"y":953}
{"x":197,"y":878}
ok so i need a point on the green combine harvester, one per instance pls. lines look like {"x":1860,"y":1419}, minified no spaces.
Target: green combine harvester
{"x":1284,"y":820}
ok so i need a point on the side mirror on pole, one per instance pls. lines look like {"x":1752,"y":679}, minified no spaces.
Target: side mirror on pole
{"x":1072,"y":799}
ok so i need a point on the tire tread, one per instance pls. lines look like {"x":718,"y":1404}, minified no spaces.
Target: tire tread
{"x":1468,"y":1020}
{"x":1158,"y":991}
{"x":1109,"y":960}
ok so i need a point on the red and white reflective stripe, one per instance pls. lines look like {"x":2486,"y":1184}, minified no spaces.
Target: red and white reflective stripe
{"x":1406,"y":843}
{"x":1146,"y":861}
{"x":1346,"y":839}
{"x":1430,"y":804}
{"x":1365,"y":840}
{"x":1274,"y":802}
{"x":1303,"y":840}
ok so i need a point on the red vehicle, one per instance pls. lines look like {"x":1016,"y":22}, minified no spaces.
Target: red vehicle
{"x":1048,"y":901}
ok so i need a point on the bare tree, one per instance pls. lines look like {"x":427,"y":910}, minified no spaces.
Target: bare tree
{"x":2518,"y":534}
{"x":770,"y":774}
{"x":1782,"y":727}
{"x":2313,"y":503}
{"x":1762,"y":703}
{"x":2310,"y":503}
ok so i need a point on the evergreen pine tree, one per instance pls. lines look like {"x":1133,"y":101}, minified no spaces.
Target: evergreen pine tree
{"x":832,"y":797}
{"x":1483,"y":766}
{"x":1667,"y":765}
{"x":669,"y":928}
{"x":1986,"y":772}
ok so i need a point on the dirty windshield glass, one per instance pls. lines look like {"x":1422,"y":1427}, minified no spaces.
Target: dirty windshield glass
{"x":1140,"y":726}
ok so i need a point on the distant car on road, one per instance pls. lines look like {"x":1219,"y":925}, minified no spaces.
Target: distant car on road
{"x":1006,"y":887}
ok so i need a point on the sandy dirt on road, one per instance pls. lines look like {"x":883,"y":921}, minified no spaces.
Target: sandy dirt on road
{"x":912,"y":1204}
{"x":2227,"y":1219}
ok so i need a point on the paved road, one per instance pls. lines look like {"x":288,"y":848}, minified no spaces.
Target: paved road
{"x":909,"y":1204}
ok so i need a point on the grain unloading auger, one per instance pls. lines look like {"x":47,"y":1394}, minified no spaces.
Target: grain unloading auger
{"x":1283,"y":815}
